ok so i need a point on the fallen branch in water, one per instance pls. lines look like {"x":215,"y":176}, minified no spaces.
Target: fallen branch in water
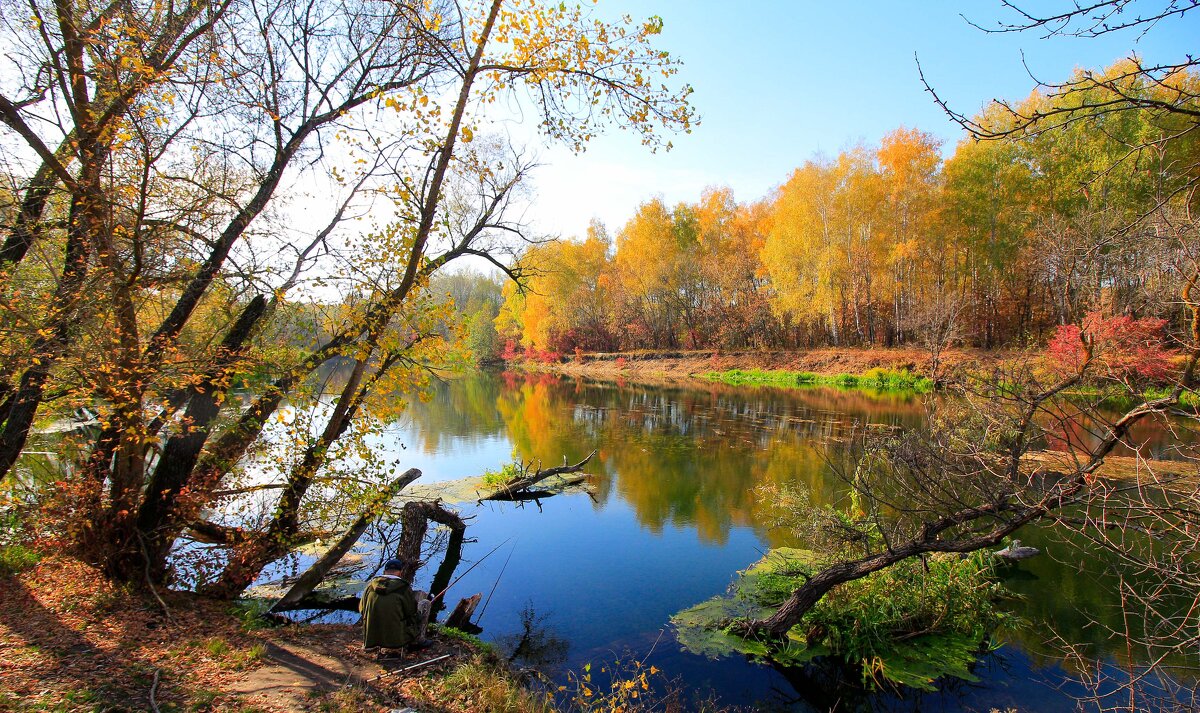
{"x":513,"y":489}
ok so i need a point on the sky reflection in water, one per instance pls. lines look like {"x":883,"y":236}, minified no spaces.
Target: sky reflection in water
{"x":675,"y":516}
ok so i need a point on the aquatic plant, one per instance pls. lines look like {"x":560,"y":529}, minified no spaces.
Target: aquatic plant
{"x":910,"y":624}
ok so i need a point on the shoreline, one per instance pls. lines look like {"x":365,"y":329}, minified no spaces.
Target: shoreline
{"x":665,"y":367}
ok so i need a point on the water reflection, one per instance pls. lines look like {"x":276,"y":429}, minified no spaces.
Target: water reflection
{"x":537,"y":644}
{"x":675,"y":514}
{"x":679,"y":457}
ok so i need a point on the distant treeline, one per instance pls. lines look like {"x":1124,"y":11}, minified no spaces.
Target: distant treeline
{"x":890,"y":245}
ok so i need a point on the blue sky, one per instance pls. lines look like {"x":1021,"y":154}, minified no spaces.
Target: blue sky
{"x":777,"y":82}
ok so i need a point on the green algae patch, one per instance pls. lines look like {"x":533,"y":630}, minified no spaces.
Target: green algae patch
{"x":704,"y":628}
{"x":908,"y":625}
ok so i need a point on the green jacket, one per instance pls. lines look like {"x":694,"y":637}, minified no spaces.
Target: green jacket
{"x":389,"y":610}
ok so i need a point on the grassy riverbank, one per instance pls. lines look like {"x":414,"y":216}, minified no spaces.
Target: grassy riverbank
{"x":847,"y":368}
{"x":884,"y":370}
{"x":1122,"y":399}
{"x":875,"y":379}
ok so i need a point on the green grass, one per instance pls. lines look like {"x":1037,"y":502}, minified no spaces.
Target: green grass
{"x":874,"y":379}
{"x":498,"y":479}
{"x":250,"y":614}
{"x":1119,"y":398}
{"x":481,"y":683}
{"x":448,"y":632}
{"x":17,"y":558}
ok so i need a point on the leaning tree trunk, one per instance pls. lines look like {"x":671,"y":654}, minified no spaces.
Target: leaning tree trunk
{"x":414,"y":523}
{"x":246,"y":561}
{"x":161,"y":517}
{"x":315,"y":574}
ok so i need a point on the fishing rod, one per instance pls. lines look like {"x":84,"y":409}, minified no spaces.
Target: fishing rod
{"x":407,"y":668}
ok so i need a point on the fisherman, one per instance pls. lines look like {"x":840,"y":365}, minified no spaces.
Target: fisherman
{"x":393,"y":615}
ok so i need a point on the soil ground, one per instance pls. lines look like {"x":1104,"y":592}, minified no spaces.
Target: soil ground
{"x":72,"y":641}
{"x":660,"y":366}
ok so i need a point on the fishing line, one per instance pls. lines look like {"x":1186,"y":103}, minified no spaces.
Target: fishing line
{"x":495,"y":584}
{"x":477,"y":563}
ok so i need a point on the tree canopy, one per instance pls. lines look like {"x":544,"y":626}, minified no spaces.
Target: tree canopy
{"x":152,"y":268}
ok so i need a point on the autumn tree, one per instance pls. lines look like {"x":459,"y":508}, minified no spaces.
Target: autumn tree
{"x":653,"y":270}
{"x":801,"y":253}
{"x":920,"y":262}
{"x":735,"y":312}
{"x":988,"y":195}
{"x":156,"y":143}
{"x":562,"y":298}
{"x":852,"y":234}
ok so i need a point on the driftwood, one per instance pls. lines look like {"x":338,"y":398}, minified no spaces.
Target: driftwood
{"x":523,"y":495}
{"x":326,"y":562}
{"x":210,"y":533}
{"x":415,"y":517}
{"x":518,"y":488}
{"x":460,"y":618}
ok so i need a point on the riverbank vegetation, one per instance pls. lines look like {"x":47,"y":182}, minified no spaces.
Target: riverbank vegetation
{"x":877,"y":379}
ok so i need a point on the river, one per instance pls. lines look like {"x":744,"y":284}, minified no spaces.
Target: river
{"x":674,"y":515}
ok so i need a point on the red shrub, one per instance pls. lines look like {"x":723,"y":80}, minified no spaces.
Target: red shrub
{"x":510,"y":351}
{"x":1122,"y":347}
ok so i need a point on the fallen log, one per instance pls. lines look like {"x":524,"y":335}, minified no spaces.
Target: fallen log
{"x":522,"y":483}
{"x":313,"y":601}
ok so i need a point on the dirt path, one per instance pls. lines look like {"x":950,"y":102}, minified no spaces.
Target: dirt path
{"x":306,"y":672}
{"x":294,"y":673}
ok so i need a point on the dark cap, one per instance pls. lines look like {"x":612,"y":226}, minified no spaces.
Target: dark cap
{"x":393,"y":564}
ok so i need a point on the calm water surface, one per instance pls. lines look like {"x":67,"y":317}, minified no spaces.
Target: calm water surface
{"x":674,"y":516}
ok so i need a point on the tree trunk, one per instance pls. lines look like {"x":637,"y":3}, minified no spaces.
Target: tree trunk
{"x":246,"y":561}
{"x":158,"y":518}
{"x":46,"y":349}
{"x":460,"y":618}
{"x":316,"y":573}
{"x":415,"y":518}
